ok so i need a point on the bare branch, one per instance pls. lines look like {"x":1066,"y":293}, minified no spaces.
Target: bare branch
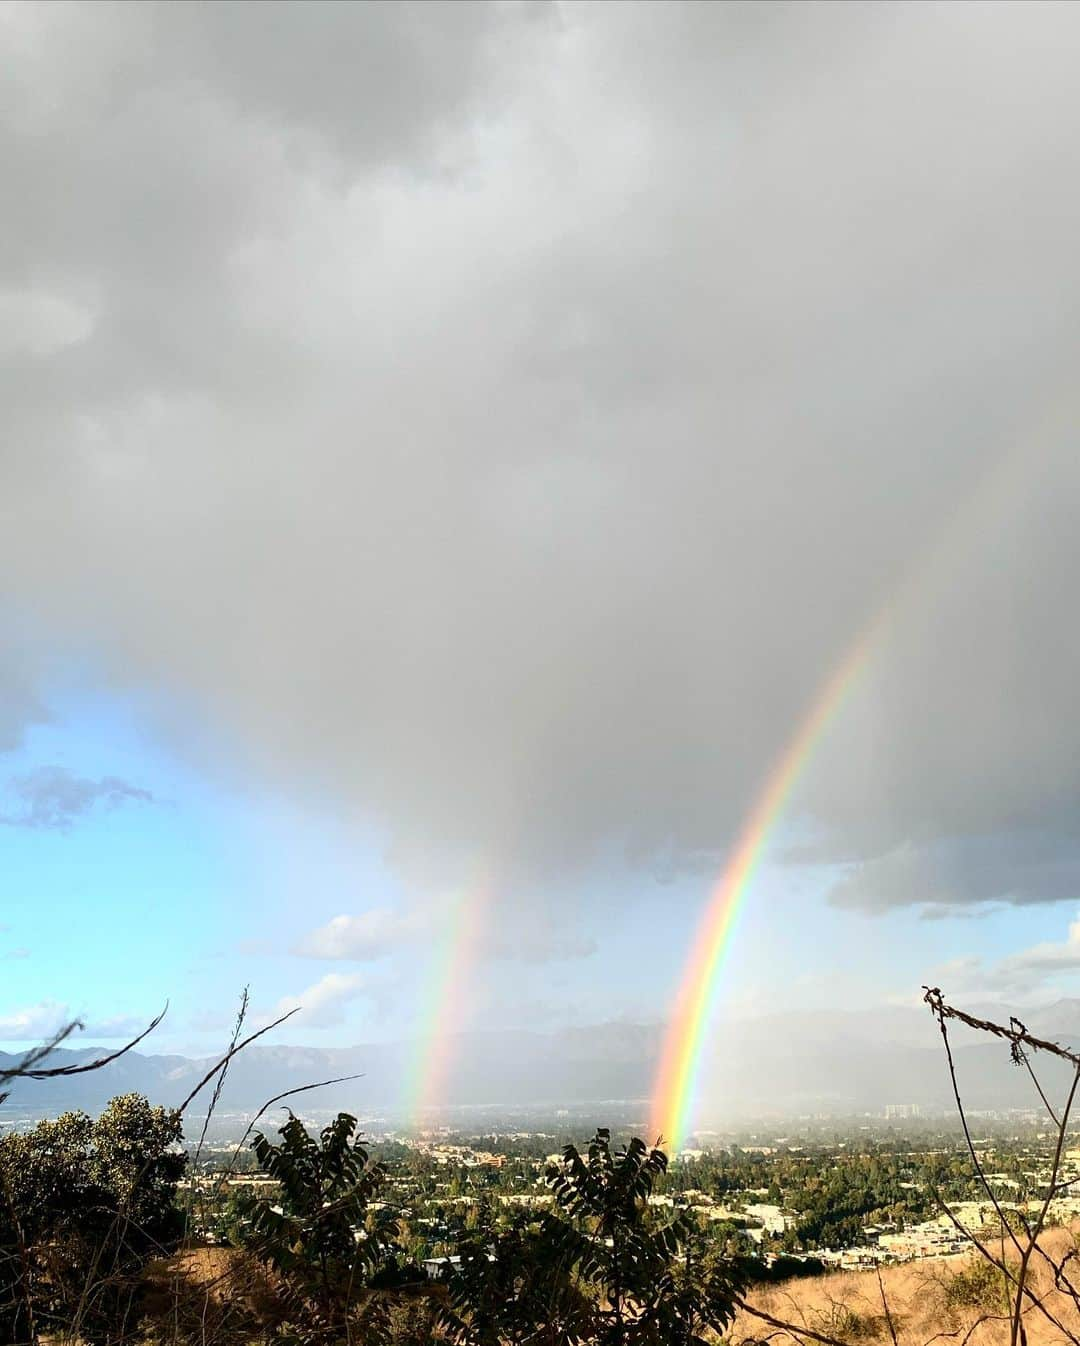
{"x":885,"y":1306}
{"x":1018,"y":1305}
{"x":300,"y":1089}
{"x":1016,"y":1034}
{"x":791,"y":1328}
{"x":237,"y":1047}
{"x":241,"y":1014}
{"x":941,"y":1012}
{"x":1019,"y":1039}
{"x":27,"y":1068}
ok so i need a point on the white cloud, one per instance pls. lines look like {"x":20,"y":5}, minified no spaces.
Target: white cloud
{"x":1021,"y":973}
{"x":323,"y":1003}
{"x":531,"y":934}
{"x":117,"y":1026}
{"x":34,"y":1023}
{"x":364,"y":937}
{"x":1045,"y":960}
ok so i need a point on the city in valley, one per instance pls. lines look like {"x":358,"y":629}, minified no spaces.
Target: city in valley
{"x":848,"y":1193}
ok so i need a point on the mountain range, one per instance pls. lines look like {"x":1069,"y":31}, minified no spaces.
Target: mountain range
{"x":833,"y":1062}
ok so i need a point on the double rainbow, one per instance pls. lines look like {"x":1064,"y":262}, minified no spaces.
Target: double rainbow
{"x":680,"y":1064}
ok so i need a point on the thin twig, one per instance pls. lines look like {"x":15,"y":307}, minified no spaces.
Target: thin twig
{"x":27,"y":1070}
{"x":941,"y":1012}
{"x":240,"y":1016}
{"x":239,"y":1047}
{"x":300,"y":1089}
{"x":1016,"y":1033}
{"x":885,"y":1306}
{"x":1019,"y":1038}
{"x":1035,"y":1232}
{"x":790,"y":1328}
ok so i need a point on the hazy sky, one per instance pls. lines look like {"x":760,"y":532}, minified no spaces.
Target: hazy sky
{"x":445,"y":449}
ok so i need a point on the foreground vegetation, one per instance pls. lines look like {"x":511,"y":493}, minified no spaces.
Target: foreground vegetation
{"x":102,"y":1242}
{"x":90,"y":1208}
{"x":110,"y":1232}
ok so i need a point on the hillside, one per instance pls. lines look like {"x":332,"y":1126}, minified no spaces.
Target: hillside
{"x":917,"y":1303}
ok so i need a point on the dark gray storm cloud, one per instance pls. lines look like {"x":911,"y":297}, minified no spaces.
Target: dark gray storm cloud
{"x":55,"y":798}
{"x":503,"y":417}
{"x":1015,"y":868}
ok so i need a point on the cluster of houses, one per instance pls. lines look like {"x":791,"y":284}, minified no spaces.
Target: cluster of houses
{"x":944,"y":1236}
{"x":761,"y":1221}
{"x":208,"y":1183}
{"x":463,"y":1156}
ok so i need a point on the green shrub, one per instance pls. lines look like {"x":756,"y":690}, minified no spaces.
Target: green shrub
{"x":83,"y":1205}
{"x":841,"y":1322}
{"x":597,"y":1270}
{"x":978,"y":1285}
{"x":317,"y":1234}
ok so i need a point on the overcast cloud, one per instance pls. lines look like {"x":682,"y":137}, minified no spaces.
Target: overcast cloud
{"x":501,"y":418}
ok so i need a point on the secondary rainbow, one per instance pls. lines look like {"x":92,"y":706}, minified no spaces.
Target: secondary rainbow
{"x":446,"y":1002}
{"x":677,"y":1077}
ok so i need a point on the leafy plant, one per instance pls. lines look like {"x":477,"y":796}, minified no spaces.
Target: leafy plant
{"x":317,"y":1235}
{"x":597,"y":1270}
{"x":516,"y":1286}
{"x":656,"y":1286}
{"x":978,"y":1285}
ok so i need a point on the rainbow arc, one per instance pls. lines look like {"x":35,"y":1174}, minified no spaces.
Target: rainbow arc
{"x":447,"y":998}
{"x":677,"y":1078}
{"x":680,"y":1061}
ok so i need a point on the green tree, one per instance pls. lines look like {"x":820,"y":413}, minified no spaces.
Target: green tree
{"x":135,"y":1159}
{"x":83,"y":1203}
{"x":316,"y":1234}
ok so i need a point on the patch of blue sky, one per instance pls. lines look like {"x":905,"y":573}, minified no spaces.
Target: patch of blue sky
{"x":118,"y":911}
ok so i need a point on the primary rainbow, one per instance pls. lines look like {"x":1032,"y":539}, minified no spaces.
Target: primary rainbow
{"x":677,"y":1077}
{"x":680,"y":1061}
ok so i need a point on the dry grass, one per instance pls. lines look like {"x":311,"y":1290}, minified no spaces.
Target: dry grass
{"x":210,"y":1295}
{"x":226,"y":1297}
{"x":952,"y":1300}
